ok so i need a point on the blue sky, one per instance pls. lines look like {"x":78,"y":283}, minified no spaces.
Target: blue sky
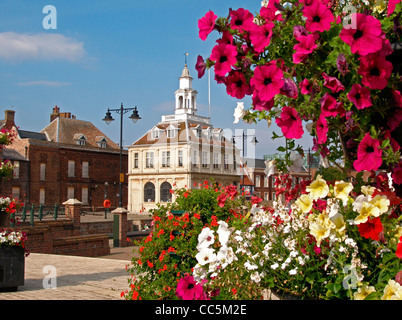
{"x":104,"y":53}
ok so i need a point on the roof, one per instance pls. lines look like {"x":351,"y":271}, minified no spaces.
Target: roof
{"x":68,"y":130}
{"x":32,"y":135}
{"x":186,"y":132}
{"x":255,"y":163}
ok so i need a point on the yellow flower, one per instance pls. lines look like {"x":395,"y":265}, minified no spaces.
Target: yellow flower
{"x":393,"y":291}
{"x":363,"y":292}
{"x":339,"y":222}
{"x":381,"y":202}
{"x":367,"y":210}
{"x":321,"y":228}
{"x":367,"y":190}
{"x":380,"y":6}
{"x":304,"y":203}
{"x":318,"y":188}
{"x":342,"y":190}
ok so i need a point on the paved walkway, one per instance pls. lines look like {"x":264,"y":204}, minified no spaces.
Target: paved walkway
{"x":73,"y":278}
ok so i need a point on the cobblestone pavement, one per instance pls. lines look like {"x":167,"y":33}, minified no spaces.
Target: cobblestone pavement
{"x":73,"y":278}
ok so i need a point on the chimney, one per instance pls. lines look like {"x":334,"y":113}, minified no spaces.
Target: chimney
{"x":55,"y":114}
{"x":9,"y":119}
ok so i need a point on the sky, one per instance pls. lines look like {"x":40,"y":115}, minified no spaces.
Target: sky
{"x":103,"y":53}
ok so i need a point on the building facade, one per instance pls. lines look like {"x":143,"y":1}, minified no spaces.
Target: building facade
{"x":181,"y":151}
{"x":70,"y":158}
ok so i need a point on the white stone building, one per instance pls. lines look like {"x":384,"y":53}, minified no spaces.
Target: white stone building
{"x":181,"y":151}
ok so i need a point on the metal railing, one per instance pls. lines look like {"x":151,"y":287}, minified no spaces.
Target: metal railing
{"x":39,"y":212}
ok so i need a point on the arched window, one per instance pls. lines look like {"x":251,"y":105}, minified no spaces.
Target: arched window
{"x":149,"y":192}
{"x":166,"y":196}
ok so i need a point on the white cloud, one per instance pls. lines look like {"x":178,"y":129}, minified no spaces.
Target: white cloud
{"x":43,"y":83}
{"x":40,"y":46}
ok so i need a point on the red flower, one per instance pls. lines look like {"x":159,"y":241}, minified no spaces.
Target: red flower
{"x":369,"y":154}
{"x":399,"y":249}
{"x":304,"y":48}
{"x":150,"y":264}
{"x":360,"y":96}
{"x":332,"y":83}
{"x":290,"y":123}
{"x":206,"y":24}
{"x":260,"y":36}
{"x":319,"y":17}
{"x":224,"y":57}
{"x":267,"y":81}
{"x":321,"y":129}
{"x":375,"y":71}
{"x":371,"y":229}
{"x":363,"y":35}
{"x":236,"y":85}
{"x":200,"y":66}
{"x":241,"y":19}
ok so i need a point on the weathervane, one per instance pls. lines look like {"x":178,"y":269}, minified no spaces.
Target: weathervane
{"x":185,"y":59}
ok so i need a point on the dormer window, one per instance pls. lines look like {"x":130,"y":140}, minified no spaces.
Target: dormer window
{"x":155,"y":133}
{"x":80,"y":139}
{"x":102,"y":142}
{"x":171,"y":132}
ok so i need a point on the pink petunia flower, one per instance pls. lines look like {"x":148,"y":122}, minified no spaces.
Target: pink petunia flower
{"x":290,"y":123}
{"x":289,"y":88}
{"x":360,"y":96}
{"x":363,"y":35}
{"x":304,"y":48}
{"x":306,"y":87}
{"x":227,"y":38}
{"x":241,"y":19}
{"x":188,"y":289}
{"x":200,"y":66}
{"x":299,"y":31}
{"x":369,"y":154}
{"x":319,"y":17}
{"x":236,"y":85}
{"x":391,"y":6}
{"x":267,"y":81}
{"x":225,"y":58}
{"x":321,"y":129}
{"x":397,"y":173}
{"x":330,"y":107}
{"x":206,"y":24}
{"x":375,"y":71}
{"x":332,"y":83}
{"x":342,"y":65}
{"x":270,"y":12}
{"x":260,"y":36}
{"x":262,"y":105}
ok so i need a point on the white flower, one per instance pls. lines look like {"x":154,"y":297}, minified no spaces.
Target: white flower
{"x":293,"y":272}
{"x":275,"y":266}
{"x":255,"y":277}
{"x":270,"y":167}
{"x":205,"y":238}
{"x":297,"y":160}
{"x":199,"y":273}
{"x":223,"y":232}
{"x":250,"y":266}
{"x":239,"y":112}
{"x":206,"y":255}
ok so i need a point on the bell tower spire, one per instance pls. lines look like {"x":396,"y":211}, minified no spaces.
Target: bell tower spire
{"x":185,"y":95}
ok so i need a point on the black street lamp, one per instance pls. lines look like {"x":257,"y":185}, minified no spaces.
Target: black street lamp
{"x":254,"y":141}
{"x":108,"y":119}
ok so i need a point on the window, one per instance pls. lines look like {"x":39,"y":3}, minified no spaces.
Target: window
{"x":70,"y":193}
{"x":136,"y":160}
{"x":265,"y":182}
{"x":171,"y":132}
{"x":16,"y":192}
{"x":195,"y":158}
{"x":85,"y":169}
{"x":42,"y":172}
{"x":84,"y":195}
{"x":155,"y":133}
{"x":257,"y":181}
{"x":102,"y":144}
{"x":265,"y":196}
{"x":205,"y":159}
{"x":216,"y":160}
{"x":81,"y":142}
{"x":149,"y":192}
{"x":273,"y":196}
{"x":16,"y":170}
{"x":180,"y":158}
{"x":226,"y":161}
{"x":149,"y":160}
{"x":165,"y":159}
{"x":166,"y":196}
{"x":42,"y":196}
{"x":71,"y":168}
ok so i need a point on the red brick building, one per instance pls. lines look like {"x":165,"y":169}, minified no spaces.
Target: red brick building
{"x":70,"y":158}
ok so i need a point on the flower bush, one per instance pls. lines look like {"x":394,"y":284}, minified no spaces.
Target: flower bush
{"x":333,"y":241}
{"x":13,"y":238}
{"x":168,"y":254}
{"x":324,"y":62}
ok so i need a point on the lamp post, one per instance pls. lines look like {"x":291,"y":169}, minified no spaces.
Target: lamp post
{"x":108,"y":119}
{"x":254,"y":141}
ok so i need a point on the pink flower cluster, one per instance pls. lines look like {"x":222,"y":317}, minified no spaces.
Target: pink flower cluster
{"x":232,"y":60}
